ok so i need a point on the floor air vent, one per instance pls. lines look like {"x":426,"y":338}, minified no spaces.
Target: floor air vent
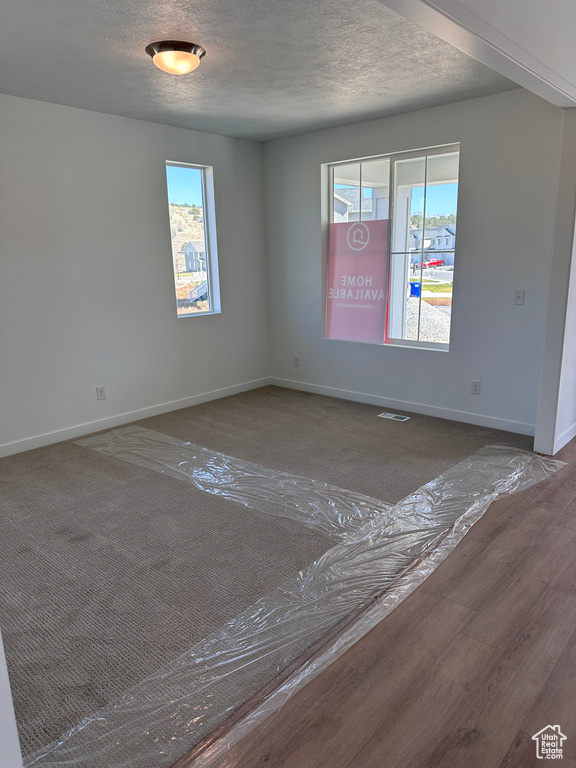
{"x":393,"y":416}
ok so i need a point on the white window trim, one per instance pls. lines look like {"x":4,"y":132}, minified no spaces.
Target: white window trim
{"x":424,"y":151}
{"x":209,"y":214}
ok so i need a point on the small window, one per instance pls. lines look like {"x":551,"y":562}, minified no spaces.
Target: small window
{"x":387,"y":283}
{"x":193,"y":233}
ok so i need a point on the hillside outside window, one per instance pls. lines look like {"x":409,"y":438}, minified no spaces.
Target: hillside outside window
{"x":193,"y":234}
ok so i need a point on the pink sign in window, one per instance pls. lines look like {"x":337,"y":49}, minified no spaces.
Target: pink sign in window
{"x":357,"y":281}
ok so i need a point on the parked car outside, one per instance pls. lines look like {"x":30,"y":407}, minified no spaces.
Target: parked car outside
{"x":431,"y":263}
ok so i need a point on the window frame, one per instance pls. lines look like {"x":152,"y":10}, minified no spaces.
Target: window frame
{"x":210,"y":241}
{"x":424,"y":152}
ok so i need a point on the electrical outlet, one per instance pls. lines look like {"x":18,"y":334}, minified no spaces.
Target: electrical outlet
{"x":296,"y":361}
{"x":519,"y":296}
{"x":100,"y":393}
{"x":475,"y":389}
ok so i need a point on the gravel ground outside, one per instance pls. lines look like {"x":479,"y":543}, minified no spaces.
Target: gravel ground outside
{"x":434,"y":322}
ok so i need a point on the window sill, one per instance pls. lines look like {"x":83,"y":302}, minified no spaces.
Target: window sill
{"x":429,"y":345}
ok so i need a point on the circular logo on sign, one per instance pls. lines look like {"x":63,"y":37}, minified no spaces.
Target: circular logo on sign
{"x":358,"y":236}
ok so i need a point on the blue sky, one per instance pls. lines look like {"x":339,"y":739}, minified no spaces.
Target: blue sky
{"x":184,"y":185}
{"x":441,"y":199}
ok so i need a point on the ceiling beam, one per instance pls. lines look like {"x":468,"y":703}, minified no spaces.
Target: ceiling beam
{"x":483,"y":30}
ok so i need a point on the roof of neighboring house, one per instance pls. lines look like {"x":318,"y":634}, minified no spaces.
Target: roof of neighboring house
{"x":194,"y":246}
{"x":339,"y":197}
{"x":352,"y":195}
{"x":432,"y":232}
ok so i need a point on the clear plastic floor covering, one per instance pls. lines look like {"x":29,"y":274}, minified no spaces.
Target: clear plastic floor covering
{"x":381,"y":553}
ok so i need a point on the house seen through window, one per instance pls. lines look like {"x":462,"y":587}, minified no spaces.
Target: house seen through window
{"x":192,"y":229}
{"x":391,"y":248}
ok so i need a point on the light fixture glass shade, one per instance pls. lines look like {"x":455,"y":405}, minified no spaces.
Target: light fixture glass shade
{"x":175,"y":56}
{"x":176,"y":62}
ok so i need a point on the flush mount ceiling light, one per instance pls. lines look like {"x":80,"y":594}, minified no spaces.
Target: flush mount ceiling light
{"x":175,"y":56}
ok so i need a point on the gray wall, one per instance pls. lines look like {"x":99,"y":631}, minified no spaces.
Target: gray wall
{"x":86,"y":290}
{"x":86,"y":285}
{"x":510,"y":151}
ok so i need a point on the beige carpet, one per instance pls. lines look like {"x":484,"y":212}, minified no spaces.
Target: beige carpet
{"x":109,"y":571}
{"x":332,"y":440}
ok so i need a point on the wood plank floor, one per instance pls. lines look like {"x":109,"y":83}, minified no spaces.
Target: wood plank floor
{"x":465,"y":671}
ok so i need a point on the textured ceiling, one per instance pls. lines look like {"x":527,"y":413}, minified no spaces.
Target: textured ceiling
{"x":273,"y":67}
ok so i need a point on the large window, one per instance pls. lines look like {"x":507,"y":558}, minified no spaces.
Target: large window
{"x":391,"y":248}
{"x":193,"y":232}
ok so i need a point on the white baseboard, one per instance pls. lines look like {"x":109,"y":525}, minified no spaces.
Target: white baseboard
{"x":69,"y":433}
{"x":564,"y":437}
{"x":480,"y":420}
